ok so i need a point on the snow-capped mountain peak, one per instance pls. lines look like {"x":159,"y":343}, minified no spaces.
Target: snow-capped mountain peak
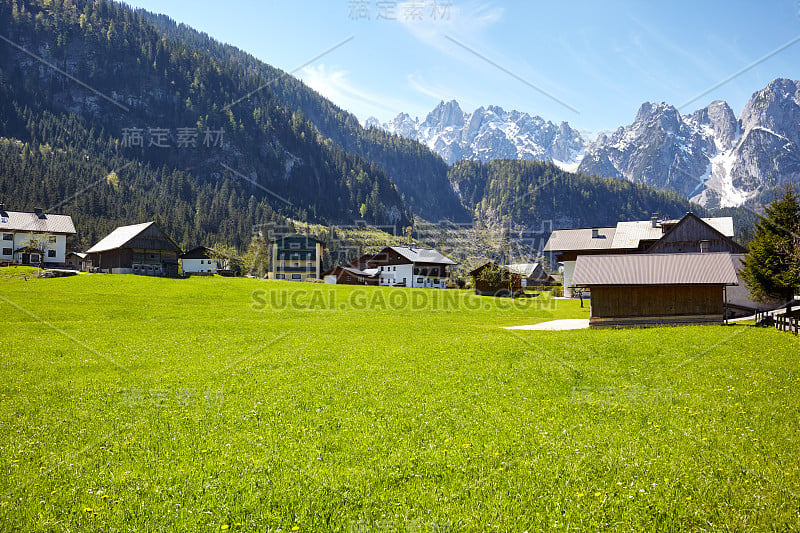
{"x":709,"y":155}
{"x":490,"y":133}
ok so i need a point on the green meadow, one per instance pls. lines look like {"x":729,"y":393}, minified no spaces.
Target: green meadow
{"x":209,"y":404}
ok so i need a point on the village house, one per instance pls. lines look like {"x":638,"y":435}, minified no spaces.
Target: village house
{"x":531,"y":274}
{"x":34,"y":238}
{"x":505,"y":283}
{"x":142,"y":249}
{"x":296,"y":258}
{"x":690,"y":234}
{"x":410,"y":266}
{"x":347,"y":275}
{"x":76,"y":261}
{"x":199,"y":261}
{"x":656,"y":289}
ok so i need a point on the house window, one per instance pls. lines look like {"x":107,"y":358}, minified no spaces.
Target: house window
{"x":36,"y":258}
{"x":294,"y":245}
{"x":419,"y":280}
{"x":280,"y":276}
{"x":296,"y":276}
{"x":51,"y":239}
{"x":8,"y":236}
{"x":51,"y":253}
{"x":6,"y":251}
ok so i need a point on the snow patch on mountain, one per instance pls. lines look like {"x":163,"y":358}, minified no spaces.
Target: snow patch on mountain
{"x":709,"y":156}
{"x":489,"y":133}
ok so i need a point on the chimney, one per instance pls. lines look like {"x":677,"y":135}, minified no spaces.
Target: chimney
{"x":38,"y":211}
{"x":654,"y":220}
{"x":595,"y":233}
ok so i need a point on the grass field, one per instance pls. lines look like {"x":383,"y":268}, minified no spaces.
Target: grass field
{"x":207,"y":404}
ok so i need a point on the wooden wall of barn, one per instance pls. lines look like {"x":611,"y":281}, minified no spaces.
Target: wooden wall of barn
{"x":686,"y":236}
{"x":657,"y":301}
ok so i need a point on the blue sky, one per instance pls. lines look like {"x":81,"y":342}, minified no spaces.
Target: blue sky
{"x":589,"y":63}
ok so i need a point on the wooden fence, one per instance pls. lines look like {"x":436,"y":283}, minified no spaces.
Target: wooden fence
{"x":786,"y":321}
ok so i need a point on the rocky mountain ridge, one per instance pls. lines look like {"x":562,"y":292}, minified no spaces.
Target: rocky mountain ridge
{"x":709,"y":156}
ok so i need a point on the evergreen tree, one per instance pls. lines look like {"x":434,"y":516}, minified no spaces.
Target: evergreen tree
{"x":772,"y":268}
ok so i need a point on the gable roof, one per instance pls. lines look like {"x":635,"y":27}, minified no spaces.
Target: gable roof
{"x":579,"y":239}
{"x":123,"y":235}
{"x":720,"y":225}
{"x":655,"y":269}
{"x":724,"y":225}
{"x":369,"y":273}
{"x":46,"y":223}
{"x":523,"y":269}
{"x":626,"y":235}
{"x":422,"y":255}
{"x":199,"y":252}
{"x":629,"y":234}
{"x":477,"y":271}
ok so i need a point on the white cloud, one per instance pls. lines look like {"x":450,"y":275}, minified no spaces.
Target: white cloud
{"x":336,"y":85}
{"x":468,"y":19}
{"x":437,"y":92}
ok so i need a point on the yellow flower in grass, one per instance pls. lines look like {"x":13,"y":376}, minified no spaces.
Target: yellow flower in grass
{"x":296,"y":528}
{"x":224,"y":526}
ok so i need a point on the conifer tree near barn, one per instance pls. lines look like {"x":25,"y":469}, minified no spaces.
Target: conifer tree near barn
{"x":772,"y":268}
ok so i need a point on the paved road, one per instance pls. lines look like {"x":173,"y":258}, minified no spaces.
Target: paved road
{"x":557,"y":325}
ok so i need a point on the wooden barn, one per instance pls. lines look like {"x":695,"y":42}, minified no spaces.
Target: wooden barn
{"x":655,"y":289}
{"x":689,"y":234}
{"x":138,"y":249}
{"x":504,"y":282}
{"x":76,"y":260}
{"x":531,"y":274}
{"x":692,"y":234}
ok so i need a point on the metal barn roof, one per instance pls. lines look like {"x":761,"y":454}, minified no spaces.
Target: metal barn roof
{"x":629,"y":234}
{"x":523,"y":269}
{"x":655,"y":269}
{"x":580,"y":239}
{"x":119,"y":237}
